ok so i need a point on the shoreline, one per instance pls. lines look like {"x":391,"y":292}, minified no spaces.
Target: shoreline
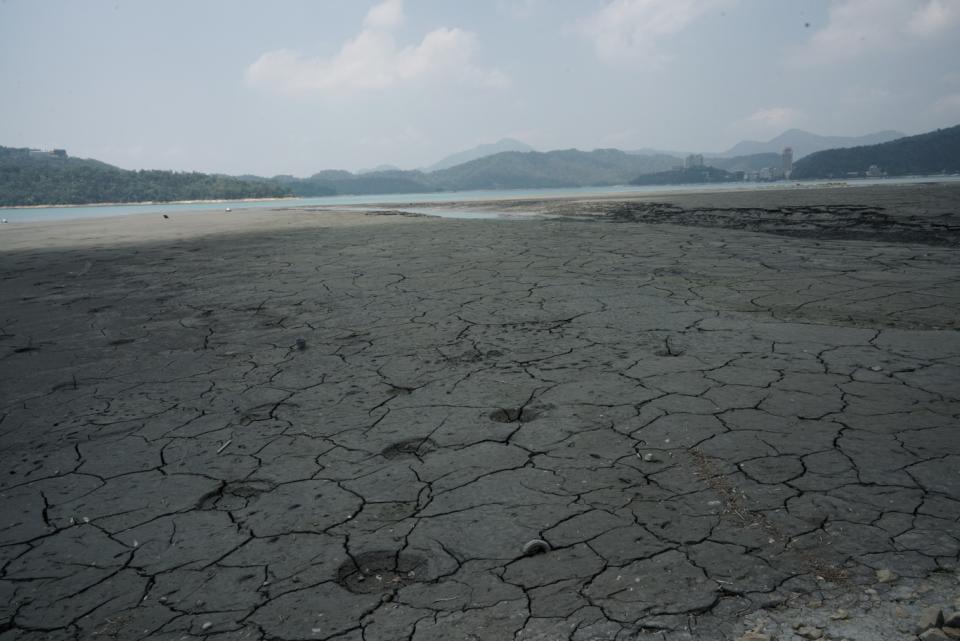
{"x":139,"y":203}
{"x":125,"y":230}
{"x":923,"y":213}
{"x":625,"y":190}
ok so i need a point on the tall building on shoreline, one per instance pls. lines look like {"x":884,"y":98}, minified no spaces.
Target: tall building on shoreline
{"x":693,"y":160}
{"x":787,"y":161}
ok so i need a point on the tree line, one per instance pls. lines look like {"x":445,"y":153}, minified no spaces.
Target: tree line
{"x":30,"y":179}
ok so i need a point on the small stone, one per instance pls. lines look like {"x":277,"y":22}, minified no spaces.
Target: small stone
{"x":840,"y":614}
{"x":754,"y":635}
{"x":876,"y":368}
{"x":886,"y":576}
{"x":930,"y":618}
{"x":900,"y":612}
{"x":934,"y":634}
{"x":953,"y":633}
{"x":952,"y":619}
{"x":206,"y":626}
{"x":809,"y":632}
{"x":301,"y":344}
{"x":650,"y":457}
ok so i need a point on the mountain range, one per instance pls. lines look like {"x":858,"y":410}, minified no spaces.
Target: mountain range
{"x":805,"y":143}
{"x":930,"y":153}
{"x":480,"y":151}
{"x":31,"y":178}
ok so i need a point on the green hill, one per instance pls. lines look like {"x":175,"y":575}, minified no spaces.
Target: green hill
{"x":329,"y":182}
{"x":30,"y":178}
{"x":505,"y":170}
{"x":930,"y":153}
{"x":564,"y":168}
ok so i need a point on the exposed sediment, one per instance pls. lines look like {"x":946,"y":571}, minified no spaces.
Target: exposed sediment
{"x":711,"y":429}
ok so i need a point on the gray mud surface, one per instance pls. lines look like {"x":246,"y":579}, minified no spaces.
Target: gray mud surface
{"x":713,"y":430}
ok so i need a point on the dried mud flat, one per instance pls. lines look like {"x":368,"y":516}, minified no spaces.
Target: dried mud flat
{"x":716,"y":433}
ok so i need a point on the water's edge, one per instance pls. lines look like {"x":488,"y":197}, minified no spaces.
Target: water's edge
{"x":71,"y":212}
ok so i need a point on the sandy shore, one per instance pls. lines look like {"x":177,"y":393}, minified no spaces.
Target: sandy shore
{"x":720,"y":413}
{"x":145,"y":228}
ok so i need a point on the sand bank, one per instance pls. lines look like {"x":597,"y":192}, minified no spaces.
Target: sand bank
{"x":146,"y":228}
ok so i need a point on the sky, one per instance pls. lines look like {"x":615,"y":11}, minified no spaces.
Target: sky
{"x":295,"y":87}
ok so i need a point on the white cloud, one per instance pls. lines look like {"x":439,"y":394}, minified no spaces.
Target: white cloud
{"x":949,"y":105}
{"x":769,"y":121}
{"x":934,"y":18}
{"x":372,"y":60}
{"x":635,"y":30}
{"x":857,"y":27}
{"x":386,"y":15}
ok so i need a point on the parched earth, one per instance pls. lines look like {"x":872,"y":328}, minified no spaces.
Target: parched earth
{"x":705,"y":427}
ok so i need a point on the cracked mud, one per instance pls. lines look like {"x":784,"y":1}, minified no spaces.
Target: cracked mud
{"x":701,"y":423}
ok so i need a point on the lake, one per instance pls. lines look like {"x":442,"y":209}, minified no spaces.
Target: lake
{"x":32,"y":214}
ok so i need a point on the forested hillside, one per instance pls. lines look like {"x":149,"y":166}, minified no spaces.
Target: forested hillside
{"x":39,"y":179}
{"x":930,"y":153}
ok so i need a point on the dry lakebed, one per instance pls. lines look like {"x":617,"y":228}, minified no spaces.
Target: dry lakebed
{"x":703,"y":416}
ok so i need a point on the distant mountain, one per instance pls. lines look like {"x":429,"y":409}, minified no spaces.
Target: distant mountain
{"x":361,"y":172}
{"x":564,"y":168}
{"x":504,"y":170}
{"x":930,"y":153}
{"x":689,"y":175}
{"x":504,"y":144}
{"x":331,"y":182}
{"x":28,"y":177}
{"x":650,"y":151}
{"x":805,"y":143}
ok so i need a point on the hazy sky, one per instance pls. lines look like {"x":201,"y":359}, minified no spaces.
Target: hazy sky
{"x":297,"y":86}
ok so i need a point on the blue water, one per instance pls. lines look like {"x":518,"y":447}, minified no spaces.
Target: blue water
{"x":100,"y":211}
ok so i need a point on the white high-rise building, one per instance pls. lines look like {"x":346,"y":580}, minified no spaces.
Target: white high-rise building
{"x":693,"y":160}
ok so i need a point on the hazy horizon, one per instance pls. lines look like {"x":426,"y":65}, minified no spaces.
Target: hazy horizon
{"x":304,"y":86}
